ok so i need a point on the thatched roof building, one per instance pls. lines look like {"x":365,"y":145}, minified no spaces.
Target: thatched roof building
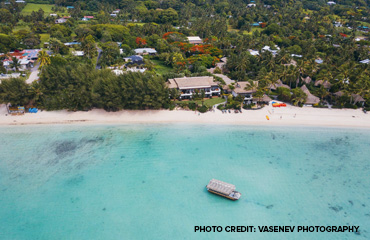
{"x":307,"y":80}
{"x":326,"y":84}
{"x":265,"y":99}
{"x":338,"y":94}
{"x":357,"y":98}
{"x":311,"y":99}
{"x":221,"y":187}
{"x":279,"y":83}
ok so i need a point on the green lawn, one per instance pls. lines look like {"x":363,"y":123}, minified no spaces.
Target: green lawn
{"x":44,"y":37}
{"x":207,"y":102}
{"x":259,"y":29}
{"x":35,"y":7}
{"x":21,"y":27}
{"x":160,"y":67}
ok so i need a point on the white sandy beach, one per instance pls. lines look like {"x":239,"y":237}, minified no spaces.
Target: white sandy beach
{"x":290,"y":115}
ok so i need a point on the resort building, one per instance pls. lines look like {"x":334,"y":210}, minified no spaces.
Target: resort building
{"x":189,"y":85}
{"x":244,"y":89}
{"x":311,"y":99}
{"x":195,"y":40}
{"x":331,"y":3}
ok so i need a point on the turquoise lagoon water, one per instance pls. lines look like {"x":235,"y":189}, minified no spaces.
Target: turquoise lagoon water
{"x":148,"y":181}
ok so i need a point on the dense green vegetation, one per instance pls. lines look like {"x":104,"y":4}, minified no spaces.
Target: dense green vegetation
{"x":312,"y":41}
{"x":70,"y":84}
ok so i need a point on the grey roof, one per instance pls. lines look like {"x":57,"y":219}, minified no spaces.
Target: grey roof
{"x":222,"y":187}
{"x":135,"y":58}
{"x":191,"y":82}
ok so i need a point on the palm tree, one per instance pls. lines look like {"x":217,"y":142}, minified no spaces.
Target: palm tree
{"x":298,"y":96}
{"x":15,"y":64}
{"x":43,"y":59}
{"x":322,"y":93}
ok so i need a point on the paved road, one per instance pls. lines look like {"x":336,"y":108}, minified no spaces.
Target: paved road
{"x":34,"y":74}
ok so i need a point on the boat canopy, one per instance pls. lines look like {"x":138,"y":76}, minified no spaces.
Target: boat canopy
{"x":222,"y":187}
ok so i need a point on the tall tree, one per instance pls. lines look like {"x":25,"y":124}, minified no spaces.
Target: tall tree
{"x":43,"y":59}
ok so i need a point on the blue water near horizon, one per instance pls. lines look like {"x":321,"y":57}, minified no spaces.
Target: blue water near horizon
{"x":148,"y":181}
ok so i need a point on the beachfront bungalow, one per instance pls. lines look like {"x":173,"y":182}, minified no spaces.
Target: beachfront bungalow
{"x":279,"y":83}
{"x":89,"y":17}
{"x":250,"y":5}
{"x":355,"y":98}
{"x":330,"y":3}
{"x":195,"y":40}
{"x":311,"y":99}
{"x":145,"y":51}
{"x":187,"y":86}
{"x":265,"y":99}
{"x":243,"y":89}
{"x":116,"y":11}
{"x":53,"y":15}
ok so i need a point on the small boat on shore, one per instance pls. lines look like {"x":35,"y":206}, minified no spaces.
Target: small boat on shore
{"x":224,"y":189}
